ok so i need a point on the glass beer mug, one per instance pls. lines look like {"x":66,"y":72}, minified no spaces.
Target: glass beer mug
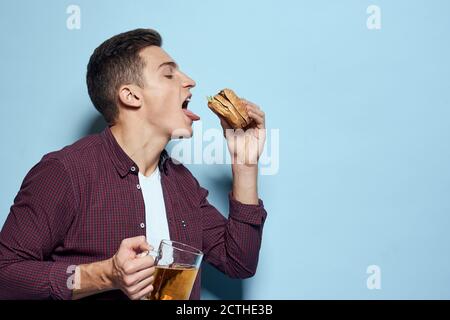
{"x":176,"y":267}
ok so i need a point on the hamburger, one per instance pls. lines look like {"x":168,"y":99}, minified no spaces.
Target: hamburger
{"x":228,"y":106}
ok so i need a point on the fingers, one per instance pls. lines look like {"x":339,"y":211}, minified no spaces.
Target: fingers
{"x":258,"y":116}
{"x":225,"y":126}
{"x":249,"y":103}
{"x":132,"y":268}
{"x":254,"y":108}
{"x":255,"y":113}
{"x":136,"y":244}
{"x":138,"y":284}
{"x":143,"y":293}
{"x":133,"y":279}
{"x":135,"y":265}
{"x":133,"y":292}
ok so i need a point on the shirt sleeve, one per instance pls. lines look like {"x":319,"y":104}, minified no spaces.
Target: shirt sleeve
{"x":232,"y":245}
{"x":37,"y":223}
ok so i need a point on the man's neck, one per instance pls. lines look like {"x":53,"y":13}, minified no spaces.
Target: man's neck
{"x":142,"y":144}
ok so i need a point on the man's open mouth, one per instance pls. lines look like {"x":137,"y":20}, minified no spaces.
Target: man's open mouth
{"x":186,"y":102}
{"x":187,"y":112}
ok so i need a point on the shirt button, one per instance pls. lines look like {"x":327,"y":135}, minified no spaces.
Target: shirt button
{"x":138,"y":186}
{"x":142,"y":225}
{"x":133,"y":169}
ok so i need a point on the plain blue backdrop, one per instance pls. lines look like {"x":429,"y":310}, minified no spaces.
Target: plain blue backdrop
{"x":364,"y":120}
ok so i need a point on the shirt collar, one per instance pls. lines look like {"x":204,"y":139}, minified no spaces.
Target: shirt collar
{"x":121,"y":161}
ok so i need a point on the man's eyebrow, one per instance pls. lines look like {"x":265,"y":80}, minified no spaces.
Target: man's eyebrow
{"x":168,"y":63}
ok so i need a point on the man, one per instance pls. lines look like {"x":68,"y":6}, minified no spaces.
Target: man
{"x":85,"y":214}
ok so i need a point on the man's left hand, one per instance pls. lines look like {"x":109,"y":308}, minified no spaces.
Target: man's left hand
{"x":247,"y":146}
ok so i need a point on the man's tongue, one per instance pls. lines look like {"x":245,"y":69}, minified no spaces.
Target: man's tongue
{"x":191,"y":115}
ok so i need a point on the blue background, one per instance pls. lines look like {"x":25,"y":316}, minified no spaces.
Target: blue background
{"x":363,"y":116}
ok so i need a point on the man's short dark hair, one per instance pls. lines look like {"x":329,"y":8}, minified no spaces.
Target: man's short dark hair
{"x":114,"y":63}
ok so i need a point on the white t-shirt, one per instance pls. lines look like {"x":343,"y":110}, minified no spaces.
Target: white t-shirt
{"x":155,"y":210}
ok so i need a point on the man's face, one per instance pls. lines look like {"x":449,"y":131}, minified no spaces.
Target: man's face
{"x":165,"y":90}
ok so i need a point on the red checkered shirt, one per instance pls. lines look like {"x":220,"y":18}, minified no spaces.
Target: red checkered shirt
{"x":77,"y":204}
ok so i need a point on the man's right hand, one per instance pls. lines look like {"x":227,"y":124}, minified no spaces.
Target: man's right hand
{"x":128,"y":270}
{"x":131,"y":272}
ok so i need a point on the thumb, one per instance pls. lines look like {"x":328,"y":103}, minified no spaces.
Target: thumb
{"x":146,"y":252}
{"x":137,"y":244}
{"x":225,"y":126}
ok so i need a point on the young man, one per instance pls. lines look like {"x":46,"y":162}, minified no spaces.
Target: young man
{"x":85,"y":213}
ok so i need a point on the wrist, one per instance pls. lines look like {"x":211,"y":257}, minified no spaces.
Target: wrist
{"x":244,"y":169}
{"x":108,"y":274}
{"x":93,"y":278}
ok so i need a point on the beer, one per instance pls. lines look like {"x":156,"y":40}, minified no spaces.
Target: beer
{"x":173,"y":282}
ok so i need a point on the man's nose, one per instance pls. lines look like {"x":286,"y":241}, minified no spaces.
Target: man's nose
{"x":188,"y":82}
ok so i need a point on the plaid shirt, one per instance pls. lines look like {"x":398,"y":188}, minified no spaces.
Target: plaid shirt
{"x":77,"y":204}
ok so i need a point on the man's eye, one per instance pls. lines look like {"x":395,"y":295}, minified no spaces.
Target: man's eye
{"x":169,"y":76}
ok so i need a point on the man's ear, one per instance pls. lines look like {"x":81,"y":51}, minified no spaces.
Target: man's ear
{"x":130,"y":95}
